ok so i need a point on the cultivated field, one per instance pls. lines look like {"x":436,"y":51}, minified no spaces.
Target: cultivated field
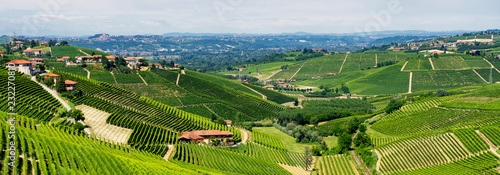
{"x":96,"y":119}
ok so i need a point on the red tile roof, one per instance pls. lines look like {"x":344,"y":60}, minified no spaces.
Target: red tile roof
{"x":1,"y":52}
{"x":51,"y":75}
{"x":18,"y":62}
{"x":69,"y":82}
{"x":36,"y":59}
{"x":194,"y":135}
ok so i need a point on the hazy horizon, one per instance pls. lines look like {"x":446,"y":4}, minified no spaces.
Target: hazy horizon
{"x":82,"y":18}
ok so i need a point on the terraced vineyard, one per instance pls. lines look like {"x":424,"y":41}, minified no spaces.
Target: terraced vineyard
{"x":471,"y":140}
{"x":268,"y":140}
{"x":414,"y":107}
{"x":380,"y":141}
{"x":320,"y":66}
{"x":417,"y":64}
{"x":103,"y":76}
{"x":146,"y":117}
{"x":444,"y":79}
{"x":29,"y":97}
{"x":128,"y":79}
{"x":275,"y":155}
{"x":224,"y":160}
{"x":337,"y":164}
{"x":287,"y":73}
{"x":436,"y":119}
{"x":449,"y":63}
{"x":421,"y":152}
{"x":485,"y":73}
{"x":492,"y":133}
{"x":43,"y":149}
{"x":485,"y":163}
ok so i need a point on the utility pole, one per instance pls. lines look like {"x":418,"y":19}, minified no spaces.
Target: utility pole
{"x":491,"y":75}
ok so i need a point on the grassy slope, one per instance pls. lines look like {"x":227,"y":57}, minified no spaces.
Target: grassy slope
{"x":289,"y":141}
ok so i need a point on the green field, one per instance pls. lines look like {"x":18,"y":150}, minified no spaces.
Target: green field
{"x":386,"y":80}
{"x":289,"y":141}
{"x":71,"y":51}
{"x":449,"y":63}
{"x":102,"y":75}
{"x":128,"y":79}
{"x":444,"y":79}
{"x":416,"y":64}
{"x":267,"y":69}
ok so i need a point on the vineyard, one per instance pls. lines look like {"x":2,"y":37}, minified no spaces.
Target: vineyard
{"x":421,"y":152}
{"x":103,"y":76}
{"x":30,"y":98}
{"x":416,"y":64}
{"x":272,"y":95}
{"x":43,"y":149}
{"x":337,"y":164}
{"x":320,"y":66}
{"x":444,"y":79}
{"x":471,"y":140}
{"x":485,"y":163}
{"x":224,"y":160}
{"x":492,"y":133}
{"x":449,"y":63}
{"x":275,"y":155}
{"x":268,"y":140}
{"x":147,"y":118}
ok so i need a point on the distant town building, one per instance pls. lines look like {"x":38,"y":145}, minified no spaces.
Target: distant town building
{"x":64,"y":58}
{"x":44,"y":44}
{"x":228,"y":123}
{"x":36,"y":60}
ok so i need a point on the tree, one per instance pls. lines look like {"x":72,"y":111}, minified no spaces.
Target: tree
{"x":296,"y":103}
{"x":321,"y":87}
{"x":163,"y":62}
{"x":337,"y":90}
{"x":181,"y":67}
{"x":77,"y":114}
{"x":316,"y":151}
{"x":60,"y":86}
{"x":221,"y":121}
{"x":314,"y":121}
{"x":64,"y":43}
{"x":362,"y":140}
{"x":41,"y":66}
{"x":307,"y":158}
{"x":441,"y":93}
{"x":105,"y":63}
{"x":362,"y":127}
{"x":172,"y":64}
{"x":78,"y":126}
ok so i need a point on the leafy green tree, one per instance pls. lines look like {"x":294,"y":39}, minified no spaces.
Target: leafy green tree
{"x":181,"y":67}
{"x":441,"y":93}
{"x":41,"y":66}
{"x":362,"y":140}
{"x":105,"y":63}
{"x":60,"y":86}
{"x":64,"y":43}
{"x":77,"y":114}
{"x":221,"y":121}
{"x":314,"y":121}
{"x":316,"y":151}
{"x":362,"y":128}
{"x":307,"y":158}
{"x":321,"y":87}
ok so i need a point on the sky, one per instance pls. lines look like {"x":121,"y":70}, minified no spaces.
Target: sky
{"x":137,"y":17}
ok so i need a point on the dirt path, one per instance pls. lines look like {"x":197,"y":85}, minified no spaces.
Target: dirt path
{"x":298,"y":70}
{"x":245,"y":136}
{"x":211,"y":110}
{"x":352,"y":139}
{"x":479,"y":76}
{"x":83,"y":52}
{"x":178,"y":77}
{"x":378,"y":160}
{"x":96,"y":119}
{"x":53,"y":93}
{"x":142,"y":78}
{"x":364,"y":169}
{"x":343,"y":63}
{"x":493,"y":148}
{"x":263,"y":96}
{"x":274,"y":74}
{"x":114,"y":77}
{"x":376,"y":60}
{"x":321,"y":67}
{"x":409,"y":86}
{"x":432,"y":65}
{"x":171,"y":149}
{"x":88,"y":73}
{"x":491,"y":65}
{"x":404,"y":66}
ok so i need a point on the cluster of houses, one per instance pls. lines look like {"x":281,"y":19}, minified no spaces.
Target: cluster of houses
{"x":417,"y":45}
{"x":131,"y":61}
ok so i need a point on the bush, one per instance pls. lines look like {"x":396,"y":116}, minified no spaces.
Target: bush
{"x":442,"y":93}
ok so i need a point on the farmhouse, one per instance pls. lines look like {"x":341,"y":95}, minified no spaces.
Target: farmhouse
{"x":228,"y":123}
{"x":36,"y":52}
{"x":111,"y":58}
{"x":16,"y":43}
{"x":51,"y":75}
{"x":36,"y":60}
{"x":70,"y":85}
{"x":269,"y":87}
{"x":44,"y":44}
{"x":206,"y":136}
{"x":132,"y":61}
{"x":399,"y":49}
{"x":330,"y":74}
{"x":23,"y":66}
{"x":64,"y":58}
{"x":241,"y":68}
